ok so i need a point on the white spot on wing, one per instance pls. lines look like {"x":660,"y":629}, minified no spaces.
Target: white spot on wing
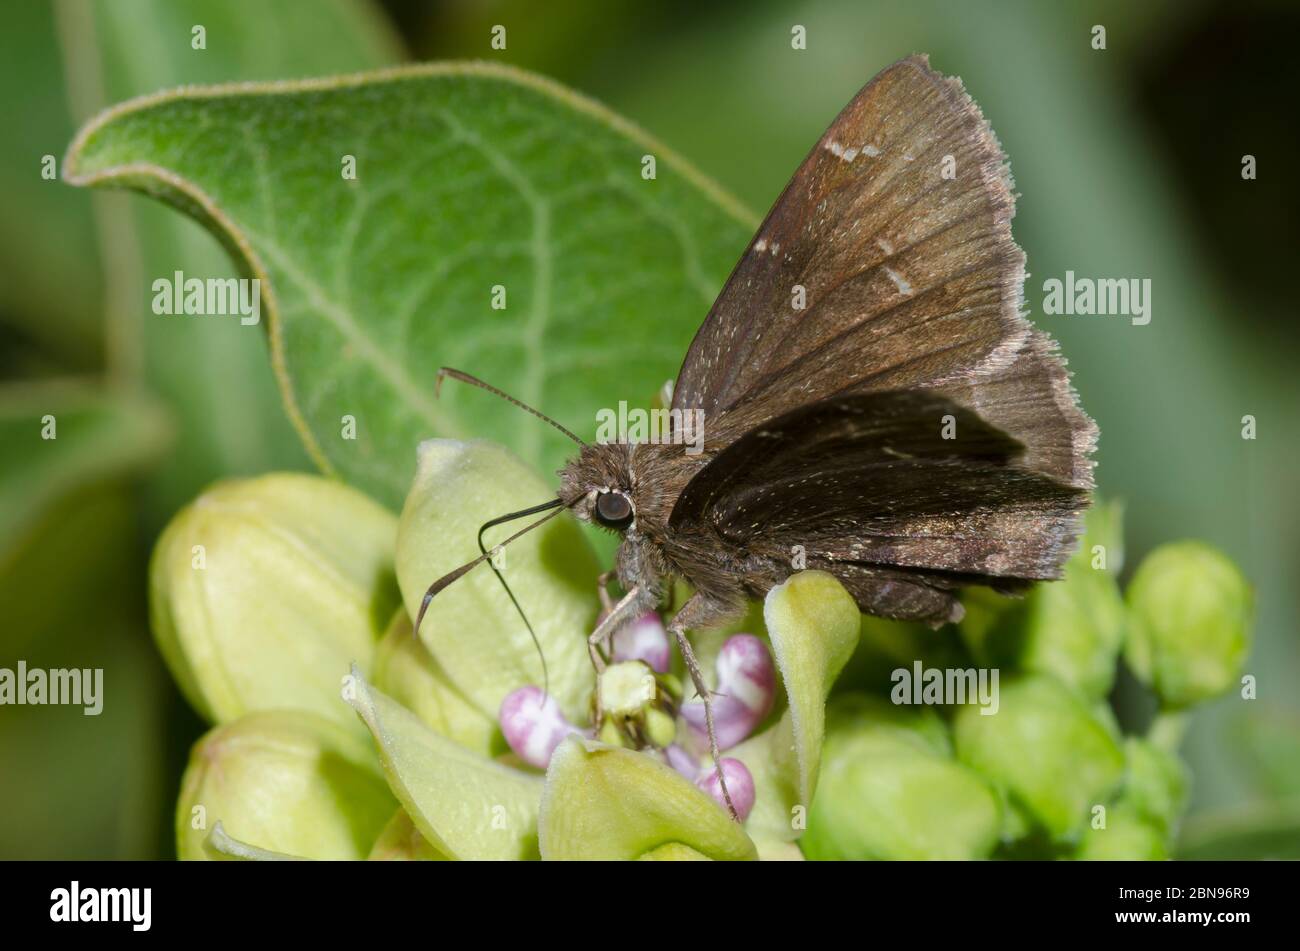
{"x":899,"y":282}
{"x":842,"y":152}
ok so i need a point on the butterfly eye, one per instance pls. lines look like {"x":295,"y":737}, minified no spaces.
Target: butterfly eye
{"x":613,"y":509}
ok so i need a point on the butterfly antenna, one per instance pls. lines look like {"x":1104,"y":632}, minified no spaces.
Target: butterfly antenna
{"x":452,"y":576}
{"x":546,"y":674}
{"x":475,"y":381}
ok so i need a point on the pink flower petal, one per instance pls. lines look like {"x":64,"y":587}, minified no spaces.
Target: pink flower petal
{"x":682,"y":761}
{"x":740,"y":785}
{"x":533,"y":725}
{"x":746,"y":689}
{"x":645,"y":639}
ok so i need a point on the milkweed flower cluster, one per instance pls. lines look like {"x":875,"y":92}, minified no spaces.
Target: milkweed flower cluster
{"x":283,"y":605}
{"x":745,"y":678}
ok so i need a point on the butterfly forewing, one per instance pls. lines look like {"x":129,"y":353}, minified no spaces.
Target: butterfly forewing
{"x":888,"y":265}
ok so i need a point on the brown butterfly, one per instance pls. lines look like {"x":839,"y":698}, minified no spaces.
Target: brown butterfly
{"x":906,"y":429}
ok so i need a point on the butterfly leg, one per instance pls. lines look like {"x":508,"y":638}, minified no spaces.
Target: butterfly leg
{"x":602,"y":592}
{"x":697,"y":677}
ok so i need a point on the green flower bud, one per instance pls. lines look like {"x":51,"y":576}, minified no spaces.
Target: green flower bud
{"x":1128,"y":836}
{"x":813,"y":626}
{"x":1017,"y":825}
{"x":1046,"y":748}
{"x":638,"y":710}
{"x":890,"y":789}
{"x":625,"y":688}
{"x":263,"y":591}
{"x":1189,"y":622}
{"x":859,"y":714}
{"x":672,"y":685}
{"x":285,"y":781}
{"x":660,"y":727}
{"x":610,"y":734}
{"x":1156,"y":783}
{"x":1105,"y":714}
{"x":1074,"y":629}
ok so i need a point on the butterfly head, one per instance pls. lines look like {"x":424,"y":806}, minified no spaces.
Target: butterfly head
{"x":597,"y":486}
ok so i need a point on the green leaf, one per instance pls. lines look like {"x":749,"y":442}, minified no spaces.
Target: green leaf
{"x":212,"y":371}
{"x":71,"y":596}
{"x":813,"y":624}
{"x":50,"y":282}
{"x":471,"y":629}
{"x":602,"y":802}
{"x":465,"y":805}
{"x":98,"y":435}
{"x":468,"y":177}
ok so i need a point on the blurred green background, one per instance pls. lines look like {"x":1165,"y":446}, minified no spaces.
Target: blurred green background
{"x":1128,"y":161}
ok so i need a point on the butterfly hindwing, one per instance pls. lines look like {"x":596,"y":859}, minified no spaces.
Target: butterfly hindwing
{"x":905,"y":495}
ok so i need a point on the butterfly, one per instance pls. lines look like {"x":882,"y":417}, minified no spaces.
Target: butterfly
{"x":866,"y":395}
